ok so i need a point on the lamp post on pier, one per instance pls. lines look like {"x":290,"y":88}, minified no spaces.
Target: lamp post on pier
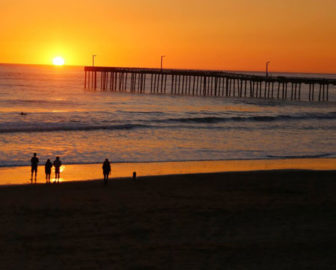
{"x":267,"y":63}
{"x":162,"y":56}
{"x":93,"y":58}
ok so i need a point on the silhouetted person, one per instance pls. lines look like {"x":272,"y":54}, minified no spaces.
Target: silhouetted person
{"x":57,"y":165}
{"x":47,"y":168}
{"x":106,"y":170}
{"x":34,"y":163}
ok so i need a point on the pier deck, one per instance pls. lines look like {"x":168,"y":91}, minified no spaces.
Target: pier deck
{"x":205,"y":83}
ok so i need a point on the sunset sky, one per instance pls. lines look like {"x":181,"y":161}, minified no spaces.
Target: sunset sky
{"x":295,"y":35}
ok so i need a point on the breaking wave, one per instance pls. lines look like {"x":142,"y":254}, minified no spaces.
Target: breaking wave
{"x":262,"y":118}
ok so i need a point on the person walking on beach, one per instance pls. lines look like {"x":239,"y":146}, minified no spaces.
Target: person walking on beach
{"x":34,"y":163}
{"x":57,"y":165}
{"x":47,"y":168}
{"x":106,"y":170}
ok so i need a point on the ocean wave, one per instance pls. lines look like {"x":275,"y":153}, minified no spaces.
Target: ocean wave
{"x":262,"y":118}
{"x":212,"y":122}
{"x":141,"y":112}
{"x":325,"y":155}
{"x":36,"y":101}
{"x":171,"y":126}
{"x":70,"y":128}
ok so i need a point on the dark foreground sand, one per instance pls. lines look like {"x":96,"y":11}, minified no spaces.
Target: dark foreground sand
{"x":254,"y":220}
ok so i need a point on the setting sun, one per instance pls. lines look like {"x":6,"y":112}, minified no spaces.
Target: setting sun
{"x":58,"y":61}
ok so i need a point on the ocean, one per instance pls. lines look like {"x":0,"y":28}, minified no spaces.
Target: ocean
{"x":44,"y":109}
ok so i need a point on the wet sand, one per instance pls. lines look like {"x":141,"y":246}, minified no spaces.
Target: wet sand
{"x":80,"y":172}
{"x":234,"y":220}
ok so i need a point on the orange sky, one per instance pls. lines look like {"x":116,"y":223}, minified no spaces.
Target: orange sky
{"x":296,"y":35}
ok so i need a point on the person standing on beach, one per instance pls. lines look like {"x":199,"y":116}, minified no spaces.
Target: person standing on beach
{"x":47,"y":168}
{"x":106,"y":170}
{"x":34,"y":163}
{"x":57,"y":165}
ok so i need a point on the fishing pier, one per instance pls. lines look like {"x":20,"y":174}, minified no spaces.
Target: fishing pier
{"x":206,"y":83}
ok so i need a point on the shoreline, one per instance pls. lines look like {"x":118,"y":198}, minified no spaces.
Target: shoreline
{"x":86,"y":172}
{"x":271,"y":173}
{"x":327,"y":157}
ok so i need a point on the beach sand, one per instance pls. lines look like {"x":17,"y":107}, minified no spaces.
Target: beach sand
{"x":234,"y":220}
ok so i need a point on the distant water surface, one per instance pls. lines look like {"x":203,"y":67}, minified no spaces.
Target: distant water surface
{"x":60,"y":118}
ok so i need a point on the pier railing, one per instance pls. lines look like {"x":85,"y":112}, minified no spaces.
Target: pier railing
{"x":205,"y":83}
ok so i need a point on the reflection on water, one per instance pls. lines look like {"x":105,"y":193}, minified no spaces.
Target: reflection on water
{"x":53,"y":180}
{"x":47,"y":111}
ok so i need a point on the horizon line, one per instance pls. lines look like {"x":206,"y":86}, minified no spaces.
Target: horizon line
{"x":228,"y":70}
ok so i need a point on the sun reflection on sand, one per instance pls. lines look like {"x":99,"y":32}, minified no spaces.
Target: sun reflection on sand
{"x":53,"y":180}
{"x":61,"y":179}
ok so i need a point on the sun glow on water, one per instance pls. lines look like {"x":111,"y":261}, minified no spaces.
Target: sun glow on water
{"x":58,"y":61}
